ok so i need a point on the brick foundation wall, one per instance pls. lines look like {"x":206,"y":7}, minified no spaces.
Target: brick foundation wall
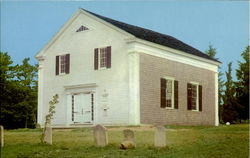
{"x":151,"y":70}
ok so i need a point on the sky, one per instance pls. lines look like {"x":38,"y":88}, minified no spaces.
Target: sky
{"x":26,"y":26}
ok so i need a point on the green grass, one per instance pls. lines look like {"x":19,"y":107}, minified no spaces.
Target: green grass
{"x":182,"y":142}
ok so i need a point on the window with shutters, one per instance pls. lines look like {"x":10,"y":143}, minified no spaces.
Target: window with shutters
{"x":169,"y":93}
{"x":103,"y":58}
{"x":62,"y":64}
{"x":193,"y":95}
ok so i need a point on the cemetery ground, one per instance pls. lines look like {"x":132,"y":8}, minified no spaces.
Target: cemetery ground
{"x":182,"y":142}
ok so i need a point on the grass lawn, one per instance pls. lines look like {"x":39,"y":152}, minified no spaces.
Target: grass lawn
{"x":182,"y":142}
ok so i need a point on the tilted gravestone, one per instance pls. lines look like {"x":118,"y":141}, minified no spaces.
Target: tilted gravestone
{"x":100,"y":135}
{"x":160,"y":136}
{"x":2,"y":135}
{"x":129,"y":139}
{"x":48,"y":135}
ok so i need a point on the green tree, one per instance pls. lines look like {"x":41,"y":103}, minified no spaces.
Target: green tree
{"x":211,"y":51}
{"x":242,"y":90}
{"x":8,"y":90}
{"x":229,"y":111}
{"x":26,"y":75}
{"x":18,"y":93}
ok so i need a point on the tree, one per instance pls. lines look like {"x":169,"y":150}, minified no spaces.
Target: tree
{"x":211,"y":51}
{"x":229,"y":111}
{"x":242,"y":90}
{"x":26,"y":75}
{"x":18,"y":93}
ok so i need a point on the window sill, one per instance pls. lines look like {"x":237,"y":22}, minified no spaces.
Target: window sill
{"x":104,"y":68}
{"x":195,"y":110}
{"x":169,"y":108}
{"x":62,"y":74}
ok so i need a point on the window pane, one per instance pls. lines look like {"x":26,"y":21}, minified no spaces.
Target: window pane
{"x":62,"y":63}
{"x":194,"y":97}
{"x":169,"y":93}
{"x":103,"y":57}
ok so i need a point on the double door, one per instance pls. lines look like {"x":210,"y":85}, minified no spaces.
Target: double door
{"x":82,"y":108}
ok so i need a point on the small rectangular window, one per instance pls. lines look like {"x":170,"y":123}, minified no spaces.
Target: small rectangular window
{"x":193,"y":95}
{"x":169,"y":93}
{"x":103,"y":57}
{"x":62,"y":64}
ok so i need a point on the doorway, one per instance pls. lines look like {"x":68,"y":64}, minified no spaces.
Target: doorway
{"x":82,"y":108}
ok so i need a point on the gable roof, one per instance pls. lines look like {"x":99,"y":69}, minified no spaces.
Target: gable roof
{"x":155,"y":37}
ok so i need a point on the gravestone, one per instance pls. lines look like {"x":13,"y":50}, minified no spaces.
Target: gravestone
{"x":48,"y":135}
{"x":129,"y":139}
{"x":2,"y":135}
{"x":128,"y":135}
{"x":160,"y":136}
{"x":100,"y":135}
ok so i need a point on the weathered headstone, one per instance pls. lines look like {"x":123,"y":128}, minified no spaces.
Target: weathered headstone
{"x":100,"y":135}
{"x":160,"y":136}
{"x":128,"y":135}
{"x":48,"y":135}
{"x":2,"y":135}
{"x":129,"y":139}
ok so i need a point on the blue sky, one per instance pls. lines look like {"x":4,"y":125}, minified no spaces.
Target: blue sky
{"x":26,"y":26}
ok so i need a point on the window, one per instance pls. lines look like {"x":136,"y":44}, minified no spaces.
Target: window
{"x":81,"y":28}
{"x":194,"y":96}
{"x":103,"y":58}
{"x":62,"y":64}
{"x":169,"y":93}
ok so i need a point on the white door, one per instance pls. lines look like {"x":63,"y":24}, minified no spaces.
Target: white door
{"x":82,"y":107}
{"x":87,"y":111}
{"x":78,"y":108}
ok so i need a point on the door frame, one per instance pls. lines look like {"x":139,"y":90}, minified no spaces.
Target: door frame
{"x":91,"y":107}
{"x":76,"y":89}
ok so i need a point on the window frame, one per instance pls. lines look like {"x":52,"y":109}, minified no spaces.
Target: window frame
{"x":60,"y":64}
{"x":100,"y":58}
{"x":197,"y":96}
{"x":172,"y":91}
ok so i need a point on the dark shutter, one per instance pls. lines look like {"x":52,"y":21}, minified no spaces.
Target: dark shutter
{"x":57,"y":65}
{"x":109,"y":57}
{"x":176,"y":94}
{"x":200,"y":98}
{"x":67,"y":64}
{"x":163,"y":93}
{"x":189,"y":96}
{"x":96,"y":59}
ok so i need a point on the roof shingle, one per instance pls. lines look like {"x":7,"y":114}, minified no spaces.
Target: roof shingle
{"x":155,"y":37}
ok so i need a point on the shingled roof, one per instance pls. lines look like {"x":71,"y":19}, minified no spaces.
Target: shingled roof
{"x":155,"y":37}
